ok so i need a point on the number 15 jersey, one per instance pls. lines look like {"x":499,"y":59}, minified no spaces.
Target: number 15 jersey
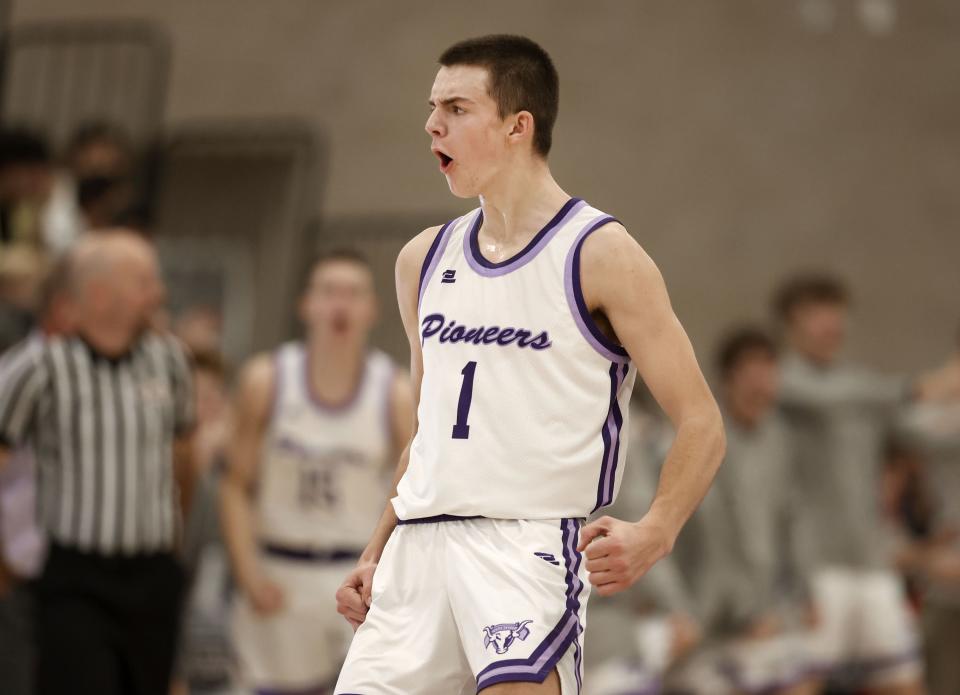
{"x":524,"y":400}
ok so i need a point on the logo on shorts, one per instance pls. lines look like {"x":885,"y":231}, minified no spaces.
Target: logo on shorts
{"x":503,"y":635}
{"x":548,"y":557}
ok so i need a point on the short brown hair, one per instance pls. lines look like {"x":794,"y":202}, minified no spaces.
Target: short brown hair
{"x":741,"y":342}
{"x":812,"y":288}
{"x":341,"y":255}
{"x":522,"y":78}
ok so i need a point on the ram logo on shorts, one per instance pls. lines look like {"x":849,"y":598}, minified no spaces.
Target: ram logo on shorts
{"x":503,"y":635}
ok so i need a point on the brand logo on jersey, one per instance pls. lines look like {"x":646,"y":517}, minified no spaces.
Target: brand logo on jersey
{"x":453,"y":332}
{"x":449,"y":276}
{"x":501,"y":636}
{"x":547,"y":557}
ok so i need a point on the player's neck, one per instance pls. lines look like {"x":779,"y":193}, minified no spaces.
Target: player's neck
{"x":519,"y":203}
{"x":334,"y":367}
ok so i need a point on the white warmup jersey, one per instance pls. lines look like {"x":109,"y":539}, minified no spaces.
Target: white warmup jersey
{"x":324,"y":468}
{"x":524,"y":400}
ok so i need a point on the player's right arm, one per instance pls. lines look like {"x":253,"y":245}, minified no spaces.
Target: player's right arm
{"x":252,"y":406}
{"x":353,"y":596}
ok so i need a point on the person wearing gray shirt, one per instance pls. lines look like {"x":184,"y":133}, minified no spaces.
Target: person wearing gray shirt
{"x":749,"y":562}
{"x":840,"y":417}
{"x":931,"y":430}
{"x":645,"y":631}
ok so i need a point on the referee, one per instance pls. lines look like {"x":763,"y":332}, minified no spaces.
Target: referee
{"x":104,"y":410}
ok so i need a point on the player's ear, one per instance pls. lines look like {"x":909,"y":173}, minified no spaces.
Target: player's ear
{"x":521,"y":127}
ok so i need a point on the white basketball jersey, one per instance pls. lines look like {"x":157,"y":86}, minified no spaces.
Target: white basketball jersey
{"x":524,"y":400}
{"x":324,"y":469}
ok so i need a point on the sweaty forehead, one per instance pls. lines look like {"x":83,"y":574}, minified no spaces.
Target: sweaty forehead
{"x":469,"y":81}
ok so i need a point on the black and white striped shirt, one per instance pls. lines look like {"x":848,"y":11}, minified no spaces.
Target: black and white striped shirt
{"x":102,"y":431}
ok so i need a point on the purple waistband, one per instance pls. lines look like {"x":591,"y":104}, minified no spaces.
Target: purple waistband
{"x":436,"y":519}
{"x":309,"y":555}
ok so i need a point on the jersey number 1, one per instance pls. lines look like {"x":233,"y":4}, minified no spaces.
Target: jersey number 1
{"x":461,"y":430}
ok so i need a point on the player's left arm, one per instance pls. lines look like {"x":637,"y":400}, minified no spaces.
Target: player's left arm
{"x":622,"y":283}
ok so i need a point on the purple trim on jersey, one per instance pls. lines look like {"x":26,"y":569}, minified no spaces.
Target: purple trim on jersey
{"x":610,"y":433}
{"x":288,"y":552}
{"x":487,"y":268}
{"x":314,"y":398}
{"x":578,"y":306}
{"x":543,"y":659}
{"x":436,"y":519}
{"x":432,"y":259}
{"x":571,"y":539}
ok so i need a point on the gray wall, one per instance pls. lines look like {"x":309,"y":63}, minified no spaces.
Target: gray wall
{"x":734,"y":141}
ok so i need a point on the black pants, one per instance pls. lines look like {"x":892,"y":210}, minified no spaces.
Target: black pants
{"x":107,"y":625}
{"x":16,"y":641}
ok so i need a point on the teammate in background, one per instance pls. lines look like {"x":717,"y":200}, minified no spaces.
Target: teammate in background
{"x":638,"y":636}
{"x":528,"y":320}
{"x":931,"y":430}
{"x":317,"y":426}
{"x":840,"y":416}
{"x":750,"y":571}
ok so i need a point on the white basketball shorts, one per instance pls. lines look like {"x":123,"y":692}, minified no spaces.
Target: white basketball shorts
{"x":302,"y":646}
{"x":462,"y":604}
{"x":867,"y":633}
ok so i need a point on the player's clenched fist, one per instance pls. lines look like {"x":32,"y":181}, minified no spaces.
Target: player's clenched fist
{"x":619,"y":553}
{"x":353,"y":596}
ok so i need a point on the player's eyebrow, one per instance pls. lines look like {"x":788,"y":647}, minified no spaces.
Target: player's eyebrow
{"x":448,"y":100}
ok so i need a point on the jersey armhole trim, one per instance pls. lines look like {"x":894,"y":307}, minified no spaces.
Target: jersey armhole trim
{"x":432,"y":259}
{"x":578,"y":306}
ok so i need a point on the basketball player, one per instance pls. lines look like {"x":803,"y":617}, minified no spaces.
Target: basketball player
{"x":317,"y":425}
{"x":528,"y":320}
{"x":841,"y":415}
{"x":748,"y":565}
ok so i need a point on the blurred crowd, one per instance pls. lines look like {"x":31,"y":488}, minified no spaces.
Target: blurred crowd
{"x":826,"y":557}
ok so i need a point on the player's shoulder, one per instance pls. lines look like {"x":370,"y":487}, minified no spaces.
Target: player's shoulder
{"x":610,"y":252}
{"x":258,"y":376}
{"x":414,"y":252}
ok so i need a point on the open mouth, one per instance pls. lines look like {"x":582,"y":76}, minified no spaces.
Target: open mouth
{"x":340,"y":324}
{"x":445,"y":160}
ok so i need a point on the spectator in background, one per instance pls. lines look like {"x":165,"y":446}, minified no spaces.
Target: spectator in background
{"x":94,"y":188}
{"x":207,"y":660}
{"x":26,"y":180}
{"x":22,"y":269}
{"x":749,"y":573}
{"x":642,"y":633}
{"x":840,"y":416}
{"x":100,"y":157}
{"x":22,"y":544}
{"x":931,"y":430}
{"x":109,"y":411}
{"x":200,"y":328}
